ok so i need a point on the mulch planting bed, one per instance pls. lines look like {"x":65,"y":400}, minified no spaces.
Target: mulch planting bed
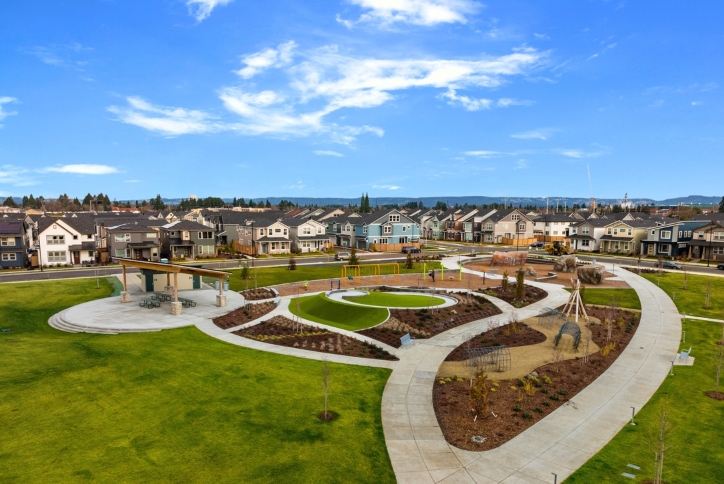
{"x":510,"y":335}
{"x":285,"y":332}
{"x":258,"y":294}
{"x":515,"y":410}
{"x":532,"y":294}
{"x":244,"y":314}
{"x":425,"y":323}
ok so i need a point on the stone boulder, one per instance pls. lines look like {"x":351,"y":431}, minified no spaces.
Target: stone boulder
{"x":565,"y":263}
{"x":592,"y":274}
{"x":530,"y":272}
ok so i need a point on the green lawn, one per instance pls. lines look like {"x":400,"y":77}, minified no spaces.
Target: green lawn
{"x":625,"y":298}
{"x":697,"y":455}
{"x":172,"y":406}
{"x":691,"y":301}
{"x":384,"y":299}
{"x":320,"y":309}
{"x":270,"y":276}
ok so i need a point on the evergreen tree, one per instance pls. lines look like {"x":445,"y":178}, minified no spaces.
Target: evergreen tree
{"x":32,"y":203}
{"x":367,"y":203}
{"x":251,"y":203}
{"x":362,"y":203}
{"x":9,"y":202}
{"x":721,"y":205}
{"x":234,"y":202}
{"x":242,"y":203}
{"x":25,"y":201}
{"x":268,"y":205}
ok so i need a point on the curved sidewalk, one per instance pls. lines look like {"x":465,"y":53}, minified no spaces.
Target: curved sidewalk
{"x":560,"y":443}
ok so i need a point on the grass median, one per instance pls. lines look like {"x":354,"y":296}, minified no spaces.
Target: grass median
{"x":387,"y":300}
{"x":624,"y":298}
{"x":172,"y":406}
{"x":692,"y":300}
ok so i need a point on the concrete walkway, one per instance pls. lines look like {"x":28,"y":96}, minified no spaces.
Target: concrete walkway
{"x":560,"y":443}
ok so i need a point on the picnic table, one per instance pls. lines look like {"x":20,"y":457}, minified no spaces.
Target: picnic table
{"x":161,"y":296}
{"x":187,"y":303}
{"x":150,"y":303}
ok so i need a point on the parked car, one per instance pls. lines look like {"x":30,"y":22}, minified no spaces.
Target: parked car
{"x":341,"y":256}
{"x":720,"y":267}
{"x":537,"y":245}
{"x":669,"y":264}
{"x":410,"y":250}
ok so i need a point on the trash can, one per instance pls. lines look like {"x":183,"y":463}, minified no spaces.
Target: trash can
{"x":226,"y":286}
{"x":216,"y":285}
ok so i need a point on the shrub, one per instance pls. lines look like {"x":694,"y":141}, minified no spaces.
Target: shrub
{"x":538,"y":409}
{"x":547,"y":403}
{"x":544,"y":390}
{"x":516,"y":408}
{"x":555,"y":397}
{"x":547,"y":379}
{"x":527,"y":415}
{"x":562,"y":392}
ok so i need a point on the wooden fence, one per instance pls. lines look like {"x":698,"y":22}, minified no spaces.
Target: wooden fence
{"x":519,"y":242}
{"x":392,"y":247}
{"x":244,"y":249}
{"x":549,"y":239}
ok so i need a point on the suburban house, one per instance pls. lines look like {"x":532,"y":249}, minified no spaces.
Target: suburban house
{"x":505,"y":226}
{"x":321,"y":215}
{"x":134,"y":241}
{"x":65,"y":240}
{"x":184,"y":239}
{"x":708,"y":242}
{"x":308,"y":235}
{"x":13,"y":244}
{"x":585,"y":236}
{"x":625,"y":236}
{"x":432,"y":224}
{"x":550,"y":227}
{"x":343,"y":229}
{"x":669,"y":240}
{"x":460,"y":226}
{"x":385,"y":227}
{"x":267,"y":236}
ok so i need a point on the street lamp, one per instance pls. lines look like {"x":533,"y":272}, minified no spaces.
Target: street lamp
{"x":711,"y":239}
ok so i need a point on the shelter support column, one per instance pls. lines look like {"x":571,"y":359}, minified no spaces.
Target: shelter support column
{"x":168,"y":288}
{"x":125,"y":296}
{"x":220,"y":298}
{"x":176,"y":307}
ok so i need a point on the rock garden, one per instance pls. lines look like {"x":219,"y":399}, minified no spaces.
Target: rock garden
{"x":285,"y":332}
{"x":258,"y":294}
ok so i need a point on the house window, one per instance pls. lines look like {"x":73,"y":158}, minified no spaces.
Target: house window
{"x":434,"y":224}
{"x":664,"y":248}
{"x":261,"y":231}
{"x":680,"y":233}
{"x":608,"y":231}
{"x":701,"y":234}
{"x":56,"y":256}
{"x":629,"y":231}
{"x":489,"y":226}
{"x":515,"y":217}
{"x":347,"y":228}
{"x":278,"y":231}
{"x":10,"y":256}
{"x":284,"y":245}
{"x":625,"y":246}
{"x":201,"y":250}
{"x":151,"y":235}
{"x":319,"y":230}
{"x":123,"y":237}
{"x":273,"y":246}
{"x":555,"y":232}
{"x":666,"y":234}
{"x":615,"y":231}
{"x":123,"y":253}
{"x":383,"y":241}
{"x":285,"y":231}
{"x":394,"y":218}
{"x":573,"y":231}
{"x":718,"y":250}
{"x":653,"y":232}
{"x":584,"y":243}
{"x":55,"y":239}
{"x":306,"y":244}
{"x":364,"y":229}
{"x":585,"y":230}
{"x":387,"y":229}
{"x":718,"y":235}
{"x":89,"y":236}
{"x":206,"y":235}
{"x":521,"y":227}
{"x":90,"y":253}
{"x":75,"y":237}
{"x":306,"y":231}
{"x":5,"y":241}
{"x":404,"y":228}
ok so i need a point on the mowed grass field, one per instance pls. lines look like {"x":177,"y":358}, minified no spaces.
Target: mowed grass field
{"x":172,"y":406}
{"x":384,"y":299}
{"x":320,"y":309}
{"x":625,"y":298}
{"x":696,"y":439}
{"x":691,"y":300}
{"x":271,"y":276}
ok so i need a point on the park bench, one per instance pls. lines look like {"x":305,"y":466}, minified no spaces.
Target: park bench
{"x":684,"y":355}
{"x":187,"y":303}
{"x":161,"y":296}
{"x":407,"y":340}
{"x":150,"y":303}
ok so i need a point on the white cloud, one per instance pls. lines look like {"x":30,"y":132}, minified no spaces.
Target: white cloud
{"x":131,"y":181}
{"x":164,"y":120}
{"x":82,"y":169}
{"x":521,"y":165}
{"x":4,"y":114}
{"x":387,"y":187}
{"x":324,"y":82}
{"x":578,"y":153}
{"x":201,"y":9}
{"x":507,"y":102}
{"x":541,"y":134}
{"x":592,"y":57}
{"x":468,"y":103}
{"x":416,"y":12}
{"x":14,"y":175}
{"x":693,"y":103}
{"x":541,"y":36}
{"x":268,"y":58}
{"x":485,"y":154}
{"x":62,"y":55}
{"x":328,"y":153}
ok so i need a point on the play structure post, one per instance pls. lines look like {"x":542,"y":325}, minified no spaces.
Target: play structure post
{"x":125,"y":297}
{"x":442,"y":272}
{"x":424,"y":271}
{"x":461,"y":272}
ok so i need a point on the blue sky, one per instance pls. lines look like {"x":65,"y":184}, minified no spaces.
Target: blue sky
{"x":407,"y":98}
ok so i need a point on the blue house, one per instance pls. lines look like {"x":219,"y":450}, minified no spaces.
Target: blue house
{"x":670,"y":240}
{"x":385,"y":227}
{"x":13,"y":250}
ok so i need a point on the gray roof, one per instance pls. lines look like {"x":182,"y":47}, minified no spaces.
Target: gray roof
{"x":187,"y":225}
